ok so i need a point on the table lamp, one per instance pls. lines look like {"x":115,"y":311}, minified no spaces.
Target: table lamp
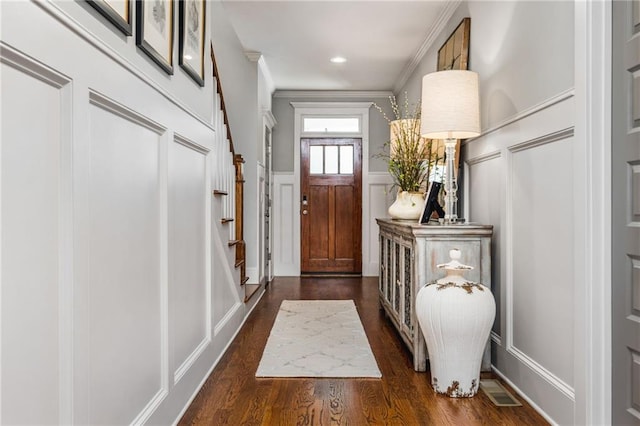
{"x":450,"y":111}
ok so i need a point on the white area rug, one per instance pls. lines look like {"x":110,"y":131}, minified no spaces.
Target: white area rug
{"x":318,"y":338}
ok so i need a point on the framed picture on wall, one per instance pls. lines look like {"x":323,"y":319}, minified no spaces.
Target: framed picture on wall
{"x":191,"y":40}
{"x":154,"y":31}
{"x":454,"y":53}
{"x":118,"y":12}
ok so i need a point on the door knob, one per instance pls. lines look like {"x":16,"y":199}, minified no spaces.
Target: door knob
{"x":305,"y":212}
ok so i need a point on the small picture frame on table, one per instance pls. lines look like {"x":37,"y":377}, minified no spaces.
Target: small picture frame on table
{"x":118,"y":12}
{"x":154,"y":31}
{"x":431,"y":204}
{"x":192,"y":16}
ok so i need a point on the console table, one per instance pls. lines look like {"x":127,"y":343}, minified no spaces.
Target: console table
{"x":409,"y":253}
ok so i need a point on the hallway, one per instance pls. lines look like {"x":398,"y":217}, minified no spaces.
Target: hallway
{"x":232,"y":395}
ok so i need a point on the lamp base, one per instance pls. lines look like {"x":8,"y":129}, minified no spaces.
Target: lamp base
{"x":450,"y":183}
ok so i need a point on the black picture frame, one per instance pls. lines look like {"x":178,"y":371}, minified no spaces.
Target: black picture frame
{"x":191,"y":24}
{"x":123,"y":23}
{"x":152,"y":34}
{"x":431,"y":203}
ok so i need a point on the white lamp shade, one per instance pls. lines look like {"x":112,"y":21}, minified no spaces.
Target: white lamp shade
{"x":450,"y":105}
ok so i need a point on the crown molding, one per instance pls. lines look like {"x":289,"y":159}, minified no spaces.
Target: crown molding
{"x":437,"y":28}
{"x":253,"y":56}
{"x":262,"y":64}
{"x":332,"y":94}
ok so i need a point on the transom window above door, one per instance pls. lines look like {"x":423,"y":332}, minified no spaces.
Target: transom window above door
{"x":331,"y":159}
{"x":331,"y":124}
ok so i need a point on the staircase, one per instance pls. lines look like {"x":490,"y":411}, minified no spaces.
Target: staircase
{"x":228,"y":188}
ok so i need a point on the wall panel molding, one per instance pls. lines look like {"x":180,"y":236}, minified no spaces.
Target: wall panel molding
{"x":191,"y":359}
{"x":104,"y":102}
{"x":379,"y":198}
{"x":22,"y":62}
{"x":509,"y":284}
{"x":285,"y":262}
{"x":65,"y":19}
{"x":554,"y":380}
{"x":151,"y":407}
{"x":47,"y":179}
{"x":535,"y":109}
{"x":542,"y":140}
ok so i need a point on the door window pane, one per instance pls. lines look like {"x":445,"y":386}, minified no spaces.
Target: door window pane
{"x":315,"y":160}
{"x":331,"y":160}
{"x":331,"y":124}
{"x":346,"y":159}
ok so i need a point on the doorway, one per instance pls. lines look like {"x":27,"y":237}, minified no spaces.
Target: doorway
{"x":331,"y":205}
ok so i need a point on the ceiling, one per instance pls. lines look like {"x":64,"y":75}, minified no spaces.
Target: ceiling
{"x":382,"y":40}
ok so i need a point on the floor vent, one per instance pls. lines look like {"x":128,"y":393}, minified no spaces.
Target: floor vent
{"x":498,"y":394}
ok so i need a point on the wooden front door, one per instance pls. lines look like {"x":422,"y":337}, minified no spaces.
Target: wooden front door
{"x":625,"y":213}
{"x":331,"y":205}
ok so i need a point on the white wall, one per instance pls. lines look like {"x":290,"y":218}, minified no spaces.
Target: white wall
{"x":247,"y":91}
{"x":118,"y":290}
{"x":522,"y":176}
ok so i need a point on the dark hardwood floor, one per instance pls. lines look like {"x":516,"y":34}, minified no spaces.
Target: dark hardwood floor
{"x":233,"y":396}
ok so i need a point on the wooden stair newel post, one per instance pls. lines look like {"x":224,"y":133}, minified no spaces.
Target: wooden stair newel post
{"x":238,"y":161}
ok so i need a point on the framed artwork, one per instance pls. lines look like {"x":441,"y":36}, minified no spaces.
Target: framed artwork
{"x":191,"y":29}
{"x":154,"y":31}
{"x":118,"y":12}
{"x":454,"y":53}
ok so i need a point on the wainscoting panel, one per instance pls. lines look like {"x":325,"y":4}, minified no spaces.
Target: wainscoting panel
{"x":33,"y":236}
{"x":286,"y":262}
{"x":125,"y":337}
{"x":542,"y":279}
{"x":484,"y":180}
{"x":189,"y":284}
{"x":380,"y":198}
{"x":521,"y":178}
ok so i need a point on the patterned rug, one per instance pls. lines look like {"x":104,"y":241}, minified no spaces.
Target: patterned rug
{"x":318,"y":338}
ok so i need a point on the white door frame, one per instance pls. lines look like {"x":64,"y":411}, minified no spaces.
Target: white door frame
{"x":592,"y":305}
{"x":336,"y":109}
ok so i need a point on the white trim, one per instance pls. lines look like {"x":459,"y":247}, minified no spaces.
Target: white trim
{"x":114,"y":107}
{"x":163,"y":253}
{"x":560,"y":97}
{"x":547,"y":375}
{"x":436,"y":29}
{"x":332,"y":94}
{"x":258,"y":57}
{"x":216,"y":361}
{"x":523,"y":395}
{"x":333,"y":108}
{"x":495,"y":337}
{"x":150,"y":408}
{"x":592,"y":312}
{"x":190,"y":360}
{"x":226,"y":318}
{"x":371,"y":264}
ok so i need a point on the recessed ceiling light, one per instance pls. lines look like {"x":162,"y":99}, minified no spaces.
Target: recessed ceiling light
{"x":338,"y":60}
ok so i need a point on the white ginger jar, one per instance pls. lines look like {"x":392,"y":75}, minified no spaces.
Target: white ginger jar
{"x":408,"y":205}
{"x":455,"y":316}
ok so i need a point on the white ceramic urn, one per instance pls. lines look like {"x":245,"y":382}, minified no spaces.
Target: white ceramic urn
{"x":455,"y":316}
{"x":408,"y":205}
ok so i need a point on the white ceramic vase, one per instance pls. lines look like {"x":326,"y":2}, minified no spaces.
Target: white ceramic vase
{"x":408,"y":205}
{"x":455,"y":316}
